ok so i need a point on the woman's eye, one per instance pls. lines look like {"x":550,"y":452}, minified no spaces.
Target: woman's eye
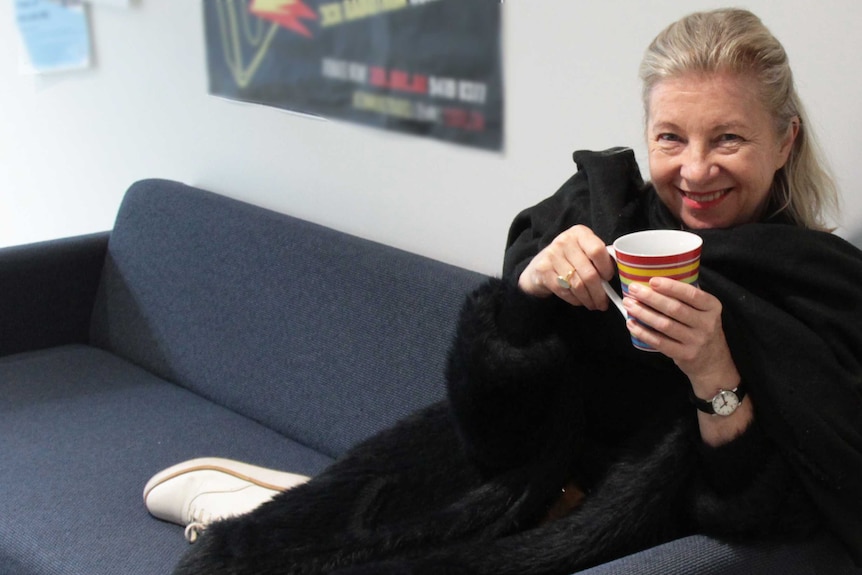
{"x":668,"y":138}
{"x":729,"y":138}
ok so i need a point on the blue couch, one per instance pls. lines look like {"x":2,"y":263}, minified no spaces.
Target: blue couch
{"x":203,"y":326}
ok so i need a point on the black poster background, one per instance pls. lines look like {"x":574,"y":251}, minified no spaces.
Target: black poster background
{"x":424,"y":67}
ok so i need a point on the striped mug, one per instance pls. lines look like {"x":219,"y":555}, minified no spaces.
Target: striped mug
{"x":641,"y":256}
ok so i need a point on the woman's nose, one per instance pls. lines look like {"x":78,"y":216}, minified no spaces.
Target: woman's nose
{"x":698,"y":165}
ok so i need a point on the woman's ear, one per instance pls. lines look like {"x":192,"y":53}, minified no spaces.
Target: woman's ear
{"x":787,"y":141}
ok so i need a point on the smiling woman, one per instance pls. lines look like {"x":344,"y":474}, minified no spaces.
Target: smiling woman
{"x":714,"y":148}
{"x":731,"y":52}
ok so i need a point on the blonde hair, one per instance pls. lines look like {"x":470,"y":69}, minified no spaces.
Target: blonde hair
{"x":736,"y":40}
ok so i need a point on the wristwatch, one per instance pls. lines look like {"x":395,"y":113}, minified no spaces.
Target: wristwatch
{"x":725,"y":402}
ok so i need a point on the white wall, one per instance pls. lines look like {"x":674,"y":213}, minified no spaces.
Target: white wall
{"x":71,"y":143}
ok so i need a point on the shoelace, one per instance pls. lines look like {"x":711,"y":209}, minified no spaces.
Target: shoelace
{"x":193,"y":530}
{"x":197,"y":524}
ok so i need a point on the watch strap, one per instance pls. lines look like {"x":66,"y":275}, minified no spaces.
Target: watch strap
{"x":705,"y":405}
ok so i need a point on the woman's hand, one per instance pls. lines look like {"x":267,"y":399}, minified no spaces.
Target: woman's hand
{"x":684,"y":323}
{"x":577,"y":255}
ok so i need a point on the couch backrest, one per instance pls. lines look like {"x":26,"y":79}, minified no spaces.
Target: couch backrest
{"x":322,"y":336}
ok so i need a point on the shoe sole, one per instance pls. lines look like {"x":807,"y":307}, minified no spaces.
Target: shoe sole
{"x":266,"y":478}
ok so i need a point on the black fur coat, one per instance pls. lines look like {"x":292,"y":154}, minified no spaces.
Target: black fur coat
{"x":541,"y":395}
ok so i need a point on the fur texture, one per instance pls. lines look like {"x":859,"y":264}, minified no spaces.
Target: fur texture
{"x":384,"y":510}
{"x":463,"y":486}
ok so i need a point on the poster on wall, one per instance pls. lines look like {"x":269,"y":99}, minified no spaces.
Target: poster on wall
{"x":429,"y":68}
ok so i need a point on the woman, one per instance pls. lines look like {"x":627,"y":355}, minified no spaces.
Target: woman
{"x":548,"y":394}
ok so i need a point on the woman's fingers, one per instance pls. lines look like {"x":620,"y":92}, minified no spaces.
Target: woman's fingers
{"x":572,"y":267}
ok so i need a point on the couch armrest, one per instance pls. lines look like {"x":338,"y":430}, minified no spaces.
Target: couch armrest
{"x":47,"y":290}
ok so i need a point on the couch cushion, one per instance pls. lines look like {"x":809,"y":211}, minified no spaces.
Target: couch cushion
{"x":707,"y":556}
{"x":82,"y":431}
{"x":322,"y":336}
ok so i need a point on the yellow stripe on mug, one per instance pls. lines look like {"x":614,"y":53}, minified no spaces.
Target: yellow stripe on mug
{"x":651,"y":272}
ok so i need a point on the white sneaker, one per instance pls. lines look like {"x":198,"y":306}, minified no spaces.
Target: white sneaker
{"x":199,"y":491}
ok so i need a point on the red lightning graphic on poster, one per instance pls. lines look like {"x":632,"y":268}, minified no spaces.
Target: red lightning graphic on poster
{"x":286,"y":13}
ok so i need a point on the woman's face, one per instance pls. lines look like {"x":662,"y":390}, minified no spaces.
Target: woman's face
{"x":713,"y":149}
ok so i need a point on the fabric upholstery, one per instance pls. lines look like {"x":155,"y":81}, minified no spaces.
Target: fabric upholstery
{"x":82,"y":431}
{"x":48,"y":290}
{"x":322,"y":336}
{"x":706,"y":556}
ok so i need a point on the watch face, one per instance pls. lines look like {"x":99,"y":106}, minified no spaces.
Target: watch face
{"x":725,"y":403}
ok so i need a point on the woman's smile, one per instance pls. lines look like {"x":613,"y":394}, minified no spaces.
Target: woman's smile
{"x":704,"y":200}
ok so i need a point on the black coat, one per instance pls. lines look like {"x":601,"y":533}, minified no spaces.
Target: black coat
{"x":542,"y":394}
{"x":791,"y":313}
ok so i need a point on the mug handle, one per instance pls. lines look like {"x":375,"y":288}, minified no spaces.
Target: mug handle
{"x":612,"y":295}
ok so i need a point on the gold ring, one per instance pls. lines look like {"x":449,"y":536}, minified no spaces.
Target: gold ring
{"x":563,"y":281}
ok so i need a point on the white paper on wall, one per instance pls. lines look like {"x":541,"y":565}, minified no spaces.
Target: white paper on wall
{"x":53,"y":36}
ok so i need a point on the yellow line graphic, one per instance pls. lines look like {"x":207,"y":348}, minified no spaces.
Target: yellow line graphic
{"x":242,"y":38}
